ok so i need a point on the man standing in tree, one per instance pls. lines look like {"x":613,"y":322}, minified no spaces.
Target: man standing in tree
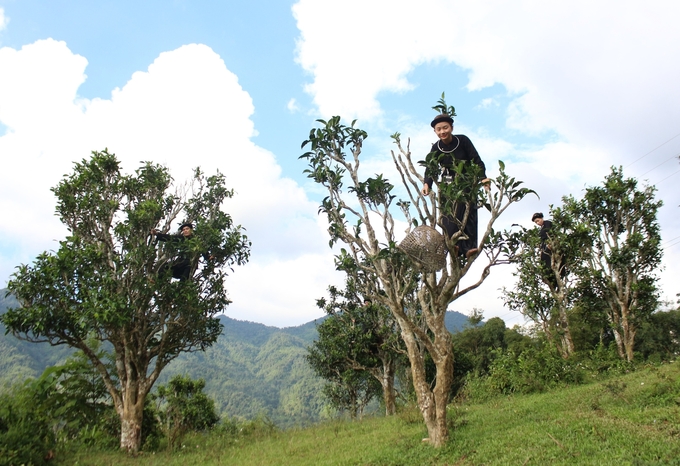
{"x":446,"y":151}
{"x":544,"y":248}
{"x":181,"y":265}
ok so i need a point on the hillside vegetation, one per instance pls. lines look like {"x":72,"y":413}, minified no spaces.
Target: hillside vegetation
{"x":630,"y":419}
{"x":252,"y":370}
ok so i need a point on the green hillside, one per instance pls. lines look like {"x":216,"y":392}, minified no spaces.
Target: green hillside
{"x":253,"y":369}
{"x":19,"y":359}
{"x":628,"y":420}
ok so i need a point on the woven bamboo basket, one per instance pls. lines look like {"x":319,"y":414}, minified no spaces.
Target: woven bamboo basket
{"x":427,"y":247}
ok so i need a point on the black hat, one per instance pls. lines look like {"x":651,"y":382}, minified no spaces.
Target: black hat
{"x":186,"y":224}
{"x":440,"y":118}
{"x":536,"y":215}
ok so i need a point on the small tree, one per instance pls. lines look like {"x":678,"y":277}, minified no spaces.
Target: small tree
{"x":620,"y":267}
{"x":103,"y":281}
{"x":80,"y":398}
{"x":417,"y":299}
{"x":546,"y":296}
{"x":357,"y":336}
{"x":181,"y":406}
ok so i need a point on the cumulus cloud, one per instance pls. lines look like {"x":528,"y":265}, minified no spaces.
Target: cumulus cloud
{"x":571,"y":66}
{"x":356,"y":49}
{"x":597,"y":81}
{"x":186,"y":110}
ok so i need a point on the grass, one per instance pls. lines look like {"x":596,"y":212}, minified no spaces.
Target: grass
{"x":629,"y":420}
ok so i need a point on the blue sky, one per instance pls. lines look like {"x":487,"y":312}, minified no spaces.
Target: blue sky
{"x":560,"y":93}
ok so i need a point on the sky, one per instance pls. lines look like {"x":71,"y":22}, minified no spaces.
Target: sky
{"x":559,"y":91}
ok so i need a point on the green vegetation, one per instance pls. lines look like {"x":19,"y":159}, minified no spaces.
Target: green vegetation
{"x":358,"y":351}
{"x":628,"y":419}
{"x":596,"y":273}
{"x":251,"y":370}
{"x":360,"y":213}
{"x":566,"y":391}
{"x":109,"y":282}
{"x":181,"y":407}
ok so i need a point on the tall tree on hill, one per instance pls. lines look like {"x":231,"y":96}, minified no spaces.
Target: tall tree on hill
{"x":621,"y":265}
{"x":357,"y":336}
{"x":106,"y":280}
{"x":417,"y":299}
{"x":546,"y":296}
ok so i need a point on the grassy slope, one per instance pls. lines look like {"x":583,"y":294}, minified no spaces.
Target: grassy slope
{"x":633,"y":419}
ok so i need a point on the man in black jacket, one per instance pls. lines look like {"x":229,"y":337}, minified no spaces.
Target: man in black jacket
{"x":546,"y":253}
{"x":181,"y":265}
{"x":451,"y":148}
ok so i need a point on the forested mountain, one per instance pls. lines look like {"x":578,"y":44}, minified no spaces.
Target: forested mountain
{"x":252,"y":369}
{"x":20,"y":359}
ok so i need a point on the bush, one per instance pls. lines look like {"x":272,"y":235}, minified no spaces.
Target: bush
{"x":181,"y":406}
{"x":26,"y":436}
{"x":604,"y":360}
{"x":657,"y":339}
{"x":533,"y":370}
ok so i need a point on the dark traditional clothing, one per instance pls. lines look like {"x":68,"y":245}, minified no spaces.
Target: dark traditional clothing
{"x":181,"y":265}
{"x":546,"y":256}
{"x":459,"y":149}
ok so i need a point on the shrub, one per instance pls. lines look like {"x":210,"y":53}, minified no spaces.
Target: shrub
{"x":181,"y":406}
{"x":26,"y":436}
{"x":533,"y":370}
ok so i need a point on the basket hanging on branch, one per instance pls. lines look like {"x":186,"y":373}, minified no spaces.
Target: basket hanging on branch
{"x":427,"y":247}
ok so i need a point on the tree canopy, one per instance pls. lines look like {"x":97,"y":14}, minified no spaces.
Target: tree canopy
{"x":103,"y":282}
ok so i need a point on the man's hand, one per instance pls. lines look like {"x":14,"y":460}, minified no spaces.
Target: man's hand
{"x":486,"y":182}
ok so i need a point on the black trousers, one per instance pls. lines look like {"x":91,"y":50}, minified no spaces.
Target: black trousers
{"x":180,"y":269}
{"x":451,"y":225}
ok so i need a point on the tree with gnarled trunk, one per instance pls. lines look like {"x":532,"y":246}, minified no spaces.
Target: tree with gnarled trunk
{"x":417,"y":299}
{"x":106,"y":282}
{"x":620,"y":267}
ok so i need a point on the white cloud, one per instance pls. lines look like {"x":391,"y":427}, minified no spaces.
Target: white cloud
{"x":292,"y":106}
{"x":600,"y":77}
{"x":589,"y":70}
{"x":355,"y":49}
{"x":488,"y":102}
{"x":282,"y":293}
{"x":186,"y":110}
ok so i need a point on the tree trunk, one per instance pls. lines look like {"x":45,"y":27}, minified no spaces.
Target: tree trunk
{"x":442,"y":389}
{"x":432,"y":402}
{"x":615,"y":322}
{"x":560,"y":296}
{"x":628,"y":336}
{"x":565,"y":333}
{"x":619,"y":342}
{"x":131,"y":423}
{"x":387,"y":383}
{"x":131,"y":411}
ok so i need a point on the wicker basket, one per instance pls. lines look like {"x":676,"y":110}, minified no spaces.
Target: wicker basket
{"x":427,"y":247}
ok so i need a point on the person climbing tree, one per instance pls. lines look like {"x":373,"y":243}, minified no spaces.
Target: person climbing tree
{"x":544,"y":247}
{"x":181,"y":265}
{"x":448,"y":150}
